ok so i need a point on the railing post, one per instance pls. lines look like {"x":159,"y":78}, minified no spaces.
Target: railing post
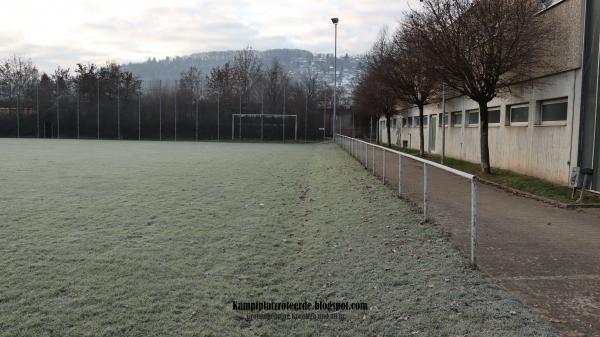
{"x":425,"y":191}
{"x":373,"y":159}
{"x":366,"y":156}
{"x":400,"y":174}
{"x":384,"y":162}
{"x":473,"y":220}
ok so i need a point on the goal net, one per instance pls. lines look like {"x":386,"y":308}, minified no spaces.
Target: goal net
{"x":264,"y":126}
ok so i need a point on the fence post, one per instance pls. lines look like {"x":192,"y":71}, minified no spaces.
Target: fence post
{"x":384,"y":162}
{"x":473,"y":220}
{"x":366,"y":155}
{"x":399,"y":174}
{"x":425,"y":191}
{"x":373,"y":159}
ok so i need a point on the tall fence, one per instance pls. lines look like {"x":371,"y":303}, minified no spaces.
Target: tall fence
{"x":158,"y":110}
{"x":420,"y":181}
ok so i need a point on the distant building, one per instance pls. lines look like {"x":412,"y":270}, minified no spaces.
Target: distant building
{"x":545,"y":126}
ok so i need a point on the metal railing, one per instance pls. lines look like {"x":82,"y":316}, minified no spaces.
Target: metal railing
{"x":355,"y":148}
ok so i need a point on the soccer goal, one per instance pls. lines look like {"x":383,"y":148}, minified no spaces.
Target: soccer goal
{"x":262,"y":118}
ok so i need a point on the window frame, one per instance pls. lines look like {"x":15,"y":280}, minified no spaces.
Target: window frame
{"x":539,"y":118}
{"x":495,"y":108}
{"x":462,"y":120}
{"x":440,"y":120}
{"x":468,"y":118}
{"x":509,"y":114}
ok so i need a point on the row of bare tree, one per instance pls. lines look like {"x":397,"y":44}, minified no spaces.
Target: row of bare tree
{"x":476,"y":48}
{"x":109,"y":102}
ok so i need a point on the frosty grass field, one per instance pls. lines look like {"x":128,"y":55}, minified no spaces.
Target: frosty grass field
{"x":157,"y":239}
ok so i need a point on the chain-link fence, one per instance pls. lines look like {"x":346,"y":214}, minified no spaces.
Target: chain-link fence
{"x":425,"y":184}
{"x":110,"y":108}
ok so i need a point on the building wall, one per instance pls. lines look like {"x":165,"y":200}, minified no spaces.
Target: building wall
{"x":541,"y":150}
{"x":563,"y":47}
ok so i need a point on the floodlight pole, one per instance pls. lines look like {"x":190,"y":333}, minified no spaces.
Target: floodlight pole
{"x":78,"y":111}
{"x":262,"y":113}
{"x":160,"y":110}
{"x":140,"y":116}
{"x":57,"y":109}
{"x":335,"y":23}
{"x":18,"y":115}
{"x":305,"y":115}
{"x":443,"y":122}
{"x":283,"y":119}
{"x":98,"y":110}
{"x":37,"y":104}
{"x":175,"y":103}
{"x":118,"y":111}
{"x":218,"y":117}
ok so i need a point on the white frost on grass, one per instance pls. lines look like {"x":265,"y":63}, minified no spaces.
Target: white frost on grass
{"x":152,"y":239}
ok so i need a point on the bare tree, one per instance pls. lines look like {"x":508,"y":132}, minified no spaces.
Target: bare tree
{"x":372,"y":97}
{"x":479,"y":47}
{"x":398,"y":64}
{"x":274,"y":81}
{"x":16,"y":74}
{"x":246,"y":72}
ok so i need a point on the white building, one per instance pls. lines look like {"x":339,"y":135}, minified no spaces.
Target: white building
{"x":543,"y":127}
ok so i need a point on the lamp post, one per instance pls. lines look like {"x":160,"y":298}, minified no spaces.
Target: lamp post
{"x":335,"y":23}
{"x":443,"y":122}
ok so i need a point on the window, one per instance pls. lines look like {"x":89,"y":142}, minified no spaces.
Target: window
{"x":457,"y":118}
{"x":404,"y":122}
{"x":494,"y":115}
{"x":518,"y":114}
{"x":425,"y":120}
{"x":445,"y":121}
{"x":417,"y":121}
{"x":393,"y":123}
{"x":473,"y":117}
{"x":554,"y":111}
{"x":409,"y":122}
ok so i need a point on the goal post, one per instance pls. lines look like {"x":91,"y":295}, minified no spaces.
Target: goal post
{"x":262,"y":117}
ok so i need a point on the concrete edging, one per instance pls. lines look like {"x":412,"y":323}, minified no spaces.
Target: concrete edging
{"x":536,"y":197}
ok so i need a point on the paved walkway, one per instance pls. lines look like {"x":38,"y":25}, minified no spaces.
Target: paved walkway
{"x":548,"y":257}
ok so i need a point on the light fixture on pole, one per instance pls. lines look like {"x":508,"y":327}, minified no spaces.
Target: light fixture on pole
{"x":335,"y":23}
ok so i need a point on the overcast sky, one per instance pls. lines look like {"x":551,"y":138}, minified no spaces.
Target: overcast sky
{"x":64,"y":32}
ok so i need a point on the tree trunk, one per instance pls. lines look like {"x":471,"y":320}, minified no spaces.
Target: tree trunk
{"x":483,"y":138}
{"x":421,"y":132}
{"x":389,"y":130}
